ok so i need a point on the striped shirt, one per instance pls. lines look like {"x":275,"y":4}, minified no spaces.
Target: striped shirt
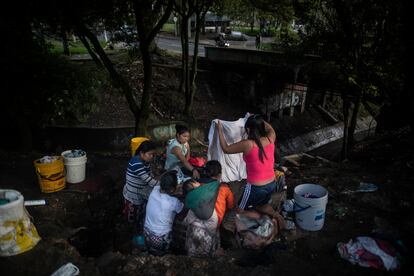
{"x":139,"y":182}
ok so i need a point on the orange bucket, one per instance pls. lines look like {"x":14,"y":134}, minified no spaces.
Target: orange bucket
{"x":51,"y":176}
{"x":136,"y":142}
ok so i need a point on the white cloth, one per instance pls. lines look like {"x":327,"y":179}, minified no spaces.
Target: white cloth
{"x":355,"y":252}
{"x":233,"y":165}
{"x":161,"y":211}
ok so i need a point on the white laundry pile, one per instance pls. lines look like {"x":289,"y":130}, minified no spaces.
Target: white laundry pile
{"x":233,"y":165}
{"x":48,"y":159}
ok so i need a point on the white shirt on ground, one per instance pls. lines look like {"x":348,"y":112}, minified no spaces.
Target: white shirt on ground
{"x":161,"y":211}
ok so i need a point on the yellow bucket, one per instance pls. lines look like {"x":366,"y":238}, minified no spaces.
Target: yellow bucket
{"x":51,"y":176}
{"x":135,"y":142}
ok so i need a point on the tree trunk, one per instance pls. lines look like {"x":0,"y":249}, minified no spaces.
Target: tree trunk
{"x":118,"y":80}
{"x":182,"y":39}
{"x":65,"y":43}
{"x":90,"y":51}
{"x":345,"y":112}
{"x":354,"y":119}
{"x":185,"y":57}
{"x":149,"y":23}
{"x":407,"y":64}
{"x":141,"y":121}
{"x":252,"y":22}
{"x":187,"y":88}
{"x":190,"y":98}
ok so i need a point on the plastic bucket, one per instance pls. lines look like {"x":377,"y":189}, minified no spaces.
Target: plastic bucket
{"x":310,"y":210}
{"x":51,"y":176}
{"x":17,"y":232}
{"x":75,"y":167}
{"x":135,"y":142}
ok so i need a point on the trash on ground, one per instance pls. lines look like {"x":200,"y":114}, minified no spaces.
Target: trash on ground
{"x":370,"y":252}
{"x":340,"y":211}
{"x":288,"y":206}
{"x":35,"y":202}
{"x":289,"y":224}
{"x":366,"y":187}
{"x":363,"y":188}
{"x":68,"y":269}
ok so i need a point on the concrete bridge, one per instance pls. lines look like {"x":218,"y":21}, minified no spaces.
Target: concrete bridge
{"x":270,"y":80}
{"x":257,"y":58}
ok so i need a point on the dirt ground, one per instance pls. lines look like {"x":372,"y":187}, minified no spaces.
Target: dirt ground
{"x":82,"y":224}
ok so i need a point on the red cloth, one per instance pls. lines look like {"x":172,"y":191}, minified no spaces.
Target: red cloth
{"x":197,"y":161}
{"x":225,"y":200}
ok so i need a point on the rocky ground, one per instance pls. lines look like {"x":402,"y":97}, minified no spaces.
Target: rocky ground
{"x":82,"y":224}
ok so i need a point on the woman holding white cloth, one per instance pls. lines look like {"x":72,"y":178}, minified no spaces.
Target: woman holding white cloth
{"x":258,"y":153}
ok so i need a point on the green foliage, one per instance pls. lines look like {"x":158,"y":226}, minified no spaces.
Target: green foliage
{"x":168,"y":27}
{"x":61,"y":90}
{"x":286,"y":39}
{"x":246,"y":30}
{"x":133,"y":53}
{"x":74,"y":47}
{"x":71,"y":91}
{"x":362,"y":38}
{"x":368,"y":42}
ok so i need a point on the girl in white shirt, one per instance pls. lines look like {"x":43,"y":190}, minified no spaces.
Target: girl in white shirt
{"x":161,"y":210}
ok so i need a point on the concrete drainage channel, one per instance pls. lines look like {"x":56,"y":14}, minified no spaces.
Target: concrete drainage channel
{"x":321,"y":137}
{"x":119,"y":138}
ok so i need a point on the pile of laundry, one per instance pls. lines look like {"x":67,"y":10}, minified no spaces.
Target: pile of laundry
{"x":371,"y":252}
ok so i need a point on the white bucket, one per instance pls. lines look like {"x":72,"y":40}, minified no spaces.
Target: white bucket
{"x":17,"y":232}
{"x":310,"y":211}
{"x":75,"y":167}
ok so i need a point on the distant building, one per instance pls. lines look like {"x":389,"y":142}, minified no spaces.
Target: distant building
{"x":213,"y":22}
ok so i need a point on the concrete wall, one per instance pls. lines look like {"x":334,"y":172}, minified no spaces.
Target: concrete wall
{"x":321,"y":137}
{"x":107,"y":139}
{"x":103,"y":139}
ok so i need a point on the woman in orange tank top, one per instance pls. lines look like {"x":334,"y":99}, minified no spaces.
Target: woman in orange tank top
{"x":258,"y":152}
